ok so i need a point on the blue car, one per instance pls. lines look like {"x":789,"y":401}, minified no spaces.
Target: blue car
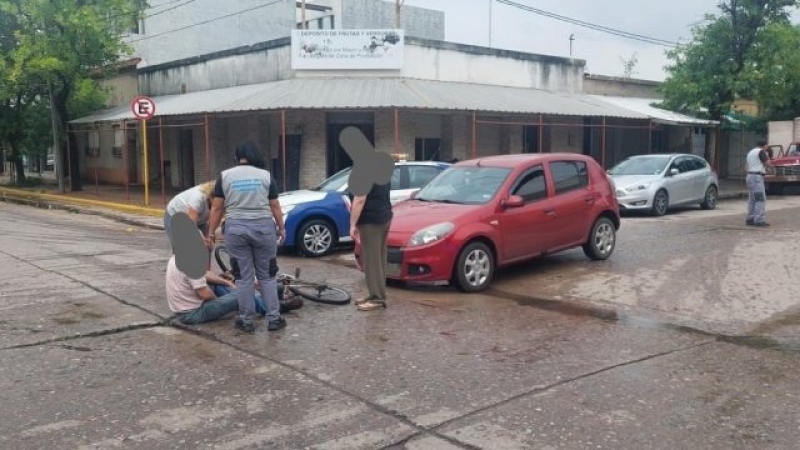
{"x":318,"y":219}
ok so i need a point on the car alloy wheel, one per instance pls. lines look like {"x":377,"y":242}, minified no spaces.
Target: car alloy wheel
{"x":710,"y":199}
{"x":660,"y":203}
{"x":316,"y":238}
{"x":474,"y":267}
{"x":602,"y":240}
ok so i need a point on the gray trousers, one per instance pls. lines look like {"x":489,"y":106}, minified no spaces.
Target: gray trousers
{"x":253,"y":243}
{"x":373,"y":256}
{"x":756,"y":198}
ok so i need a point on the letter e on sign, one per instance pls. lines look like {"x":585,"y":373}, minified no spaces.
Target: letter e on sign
{"x":144,"y":108}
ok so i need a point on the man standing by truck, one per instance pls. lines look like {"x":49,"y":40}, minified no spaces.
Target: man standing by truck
{"x":757,"y":160}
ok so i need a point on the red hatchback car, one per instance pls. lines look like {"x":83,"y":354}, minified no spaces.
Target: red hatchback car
{"x":490,"y":212}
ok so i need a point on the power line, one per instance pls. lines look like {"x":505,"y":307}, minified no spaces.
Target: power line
{"x":169,"y":9}
{"x":151,"y":36}
{"x":593,"y":26}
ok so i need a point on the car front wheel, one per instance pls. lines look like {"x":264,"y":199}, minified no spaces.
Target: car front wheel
{"x":660,"y":203}
{"x":474,"y":267}
{"x":710,"y":199}
{"x":316,"y":238}
{"x":602,"y":240}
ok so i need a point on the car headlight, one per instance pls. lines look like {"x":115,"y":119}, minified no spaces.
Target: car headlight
{"x":430,"y":234}
{"x":638,"y":187}
{"x":286,"y":209}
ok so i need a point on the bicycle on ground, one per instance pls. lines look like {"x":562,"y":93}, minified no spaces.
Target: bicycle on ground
{"x":288,"y":285}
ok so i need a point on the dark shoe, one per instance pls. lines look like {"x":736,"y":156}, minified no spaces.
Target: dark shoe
{"x":291,"y":304}
{"x":761,"y":224}
{"x":276,"y":324}
{"x":247,"y":327}
{"x":750,"y":222}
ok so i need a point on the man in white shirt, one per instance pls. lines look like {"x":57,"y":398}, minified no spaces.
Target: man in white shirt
{"x":757,"y":160}
{"x":193,"y":301}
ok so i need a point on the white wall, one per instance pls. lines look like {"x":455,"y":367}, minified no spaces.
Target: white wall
{"x":781,"y":133}
{"x":258,"y":25}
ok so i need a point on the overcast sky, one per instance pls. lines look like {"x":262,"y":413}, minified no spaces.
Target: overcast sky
{"x":467,"y":21}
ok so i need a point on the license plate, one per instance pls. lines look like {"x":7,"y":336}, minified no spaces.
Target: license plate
{"x":392,"y":270}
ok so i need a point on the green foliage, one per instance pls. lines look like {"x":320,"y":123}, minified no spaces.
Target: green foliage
{"x":56,"y":45}
{"x":727,"y":59}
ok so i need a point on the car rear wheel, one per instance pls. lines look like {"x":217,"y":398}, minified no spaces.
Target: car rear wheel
{"x":316,"y":238}
{"x":602,"y":239}
{"x":474,"y":267}
{"x":710,"y":199}
{"x":660,"y":203}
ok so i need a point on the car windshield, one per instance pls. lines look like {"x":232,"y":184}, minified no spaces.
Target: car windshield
{"x":647,"y":165}
{"x":468,"y":185}
{"x":335,"y":182}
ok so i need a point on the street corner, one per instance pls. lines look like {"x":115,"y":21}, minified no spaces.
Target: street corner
{"x":695,"y":396}
{"x":103,"y":392}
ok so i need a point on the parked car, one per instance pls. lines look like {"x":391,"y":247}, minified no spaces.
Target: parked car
{"x":318,"y":219}
{"x":657,"y":182}
{"x":483,"y":214}
{"x":785,"y":168}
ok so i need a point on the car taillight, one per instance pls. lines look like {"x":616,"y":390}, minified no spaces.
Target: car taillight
{"x":347,"y":202}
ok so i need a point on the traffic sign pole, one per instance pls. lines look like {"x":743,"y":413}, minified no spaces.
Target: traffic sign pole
{"x":144,"y":109}
{"x":146,"y":175}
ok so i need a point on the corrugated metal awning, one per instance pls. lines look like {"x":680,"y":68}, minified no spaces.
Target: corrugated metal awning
{"x":644,"y":106}
{"x":375,"y":93}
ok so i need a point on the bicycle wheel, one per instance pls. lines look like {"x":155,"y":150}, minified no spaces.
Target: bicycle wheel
{"x":321,"y":293}
{"x":222,"y":257}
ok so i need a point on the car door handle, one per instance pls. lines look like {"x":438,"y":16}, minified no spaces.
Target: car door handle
{"x":589,"y":199}
{"x":550,"y":212}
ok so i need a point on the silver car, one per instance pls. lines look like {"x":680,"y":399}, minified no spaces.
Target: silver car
{"x":657,"y":182}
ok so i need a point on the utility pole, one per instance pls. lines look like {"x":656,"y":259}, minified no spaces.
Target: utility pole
{"x":58,"y":165}
{"x":571,"y":38}
{"x":397,"y":5}
{"x":303,"y":14}
{"x":490,"y":22}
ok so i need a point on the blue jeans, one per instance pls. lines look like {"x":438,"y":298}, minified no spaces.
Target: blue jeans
{"x":253,"y":243}
{"x":222,"y":290}
{"x":210,"y":310}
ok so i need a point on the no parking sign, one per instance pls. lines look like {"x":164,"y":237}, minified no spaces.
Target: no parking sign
{"x":144,"y":108}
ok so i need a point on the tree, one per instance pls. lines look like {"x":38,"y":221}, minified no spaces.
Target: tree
{"x":772,"y":73}
{"x":56,"y":45}
{"x":717,"y":66}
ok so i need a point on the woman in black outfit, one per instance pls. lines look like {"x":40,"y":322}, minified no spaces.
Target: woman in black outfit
{"x":370,"y":218}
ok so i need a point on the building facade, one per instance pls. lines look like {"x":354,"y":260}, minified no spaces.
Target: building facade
{"x":425,"y":99}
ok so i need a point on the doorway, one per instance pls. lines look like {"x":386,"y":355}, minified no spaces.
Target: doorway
{"x":133,"y":157}
{"x":337,"y":158}
{"x":186,"y":158}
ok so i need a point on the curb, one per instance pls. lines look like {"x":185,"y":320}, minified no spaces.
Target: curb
{"x":731,"y":195}
{"x":38,"y":196}
{"x":75,"y":209}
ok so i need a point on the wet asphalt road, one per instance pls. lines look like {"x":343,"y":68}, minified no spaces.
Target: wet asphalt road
{"x":88,"y":362}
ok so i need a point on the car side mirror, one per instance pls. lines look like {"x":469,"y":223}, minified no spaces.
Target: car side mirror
{"x":513,"y":201}
{"x":674,"y":171}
